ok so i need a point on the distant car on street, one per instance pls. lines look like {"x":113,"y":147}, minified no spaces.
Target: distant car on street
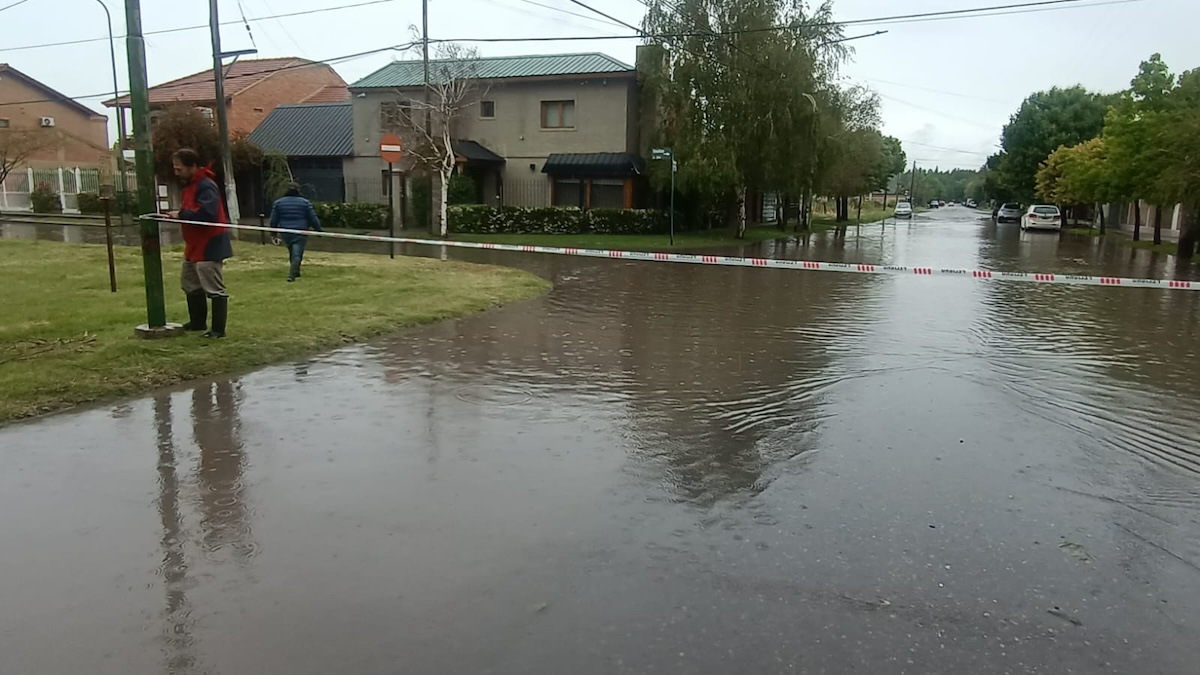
{"x":941,"y":203}
{"x":1010,"y":212}
{"x":971,"y":204}
{"x":933,"y":203}
{"x":1041,"y":217}
{"x":904,"y":210}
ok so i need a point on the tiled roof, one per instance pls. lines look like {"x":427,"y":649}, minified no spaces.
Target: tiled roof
{"x":411,"y":73}
{"x":329,"y":94}
{"x":198,"y":87}
{"x":62,"y":98}
{"x":309,"y":130}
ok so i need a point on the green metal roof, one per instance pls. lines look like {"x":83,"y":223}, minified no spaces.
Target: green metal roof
{"x":411,"y":73}
{"x":308,"y":130}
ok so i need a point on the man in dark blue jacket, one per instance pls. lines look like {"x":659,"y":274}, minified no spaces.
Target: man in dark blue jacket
{"x":293,"y":212}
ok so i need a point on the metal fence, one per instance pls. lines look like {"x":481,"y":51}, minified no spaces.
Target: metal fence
{"x":67,"y":183}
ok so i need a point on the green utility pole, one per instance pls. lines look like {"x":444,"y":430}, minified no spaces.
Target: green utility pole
{"x":139,"y":98}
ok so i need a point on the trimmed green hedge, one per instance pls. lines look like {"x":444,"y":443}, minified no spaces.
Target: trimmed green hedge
{"x":89,"y":203}
{"x":554,"y":220}
{"x":352,"y":216}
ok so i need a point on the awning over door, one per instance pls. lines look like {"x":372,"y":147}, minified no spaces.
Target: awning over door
{"x":472,"y":153}
{"x":593,"y":165}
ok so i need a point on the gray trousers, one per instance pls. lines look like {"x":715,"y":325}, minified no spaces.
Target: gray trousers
{"x":204,"y":276}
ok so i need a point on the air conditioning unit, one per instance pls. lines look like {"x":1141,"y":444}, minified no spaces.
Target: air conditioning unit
{"x":207,"y":112}
{"x":47,"y":121}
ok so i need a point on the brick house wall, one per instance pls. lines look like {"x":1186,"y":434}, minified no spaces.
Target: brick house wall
{"x":295,"y":85}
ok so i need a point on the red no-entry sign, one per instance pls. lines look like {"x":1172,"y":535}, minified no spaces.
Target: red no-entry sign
{"x":391,"y":148}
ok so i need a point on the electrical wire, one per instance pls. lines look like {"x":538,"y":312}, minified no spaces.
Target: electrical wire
{"x":306,"y":64}
{"x":18,"y":2}
{"x":242,"y":11}
{"x":205,"y":26}
{"x":567,"y":11}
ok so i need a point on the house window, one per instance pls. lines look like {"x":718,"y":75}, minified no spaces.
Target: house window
{"x":394,"y":115}
{"x":387,"y":184}
{"x":569,"y":193}
{"x":607,"y":193}
{"x":558,"y":114}
{"x":487,"y":109}
{"x":3,"y":123}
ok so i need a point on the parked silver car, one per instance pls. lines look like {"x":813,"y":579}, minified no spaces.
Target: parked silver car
{"x":1009,"y":212}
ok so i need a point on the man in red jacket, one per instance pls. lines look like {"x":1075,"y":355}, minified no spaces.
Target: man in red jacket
{"x":205,"y":247}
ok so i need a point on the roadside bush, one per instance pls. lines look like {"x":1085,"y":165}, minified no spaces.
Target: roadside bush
{"x":554,"y":220}
{"x":352,"y":216}
{"x":89,"y":203}
{"x":628,"y":221}
{"x":422,"y":190}
{"x":462,"y":190}
{"x":44,"y":199}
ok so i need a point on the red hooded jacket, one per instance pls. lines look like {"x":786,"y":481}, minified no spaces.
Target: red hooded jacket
{"x":202,"y":203}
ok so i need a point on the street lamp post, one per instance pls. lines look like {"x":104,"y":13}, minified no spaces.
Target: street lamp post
{"x":112,"y":51}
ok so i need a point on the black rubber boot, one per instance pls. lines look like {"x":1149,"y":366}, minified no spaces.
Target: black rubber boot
{"x":197,"y":312}
{"x":220,"y":312}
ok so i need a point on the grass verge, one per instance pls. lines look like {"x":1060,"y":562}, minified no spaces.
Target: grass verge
{"x":1167,"y":247}
{"x":65,"y":339}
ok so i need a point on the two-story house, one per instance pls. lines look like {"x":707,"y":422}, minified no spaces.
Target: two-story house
{"x":538,"y":130}
{"x":75,"y":134}
{"x":253,"y":88}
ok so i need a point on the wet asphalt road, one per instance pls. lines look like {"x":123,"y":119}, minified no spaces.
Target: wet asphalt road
{"x":655,"y":469}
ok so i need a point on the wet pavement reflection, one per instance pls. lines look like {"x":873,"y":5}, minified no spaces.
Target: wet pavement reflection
{"x":654,"y":469}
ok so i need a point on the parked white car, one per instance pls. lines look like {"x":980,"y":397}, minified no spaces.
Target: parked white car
{"x":904,"y":210}
{"x":1041,"y":217}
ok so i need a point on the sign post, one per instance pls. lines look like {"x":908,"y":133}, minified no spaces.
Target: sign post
{"x":391,"y":149}
{"x":668,"y":153}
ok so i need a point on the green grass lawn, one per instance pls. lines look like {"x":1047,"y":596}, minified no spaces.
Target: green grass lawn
{"x":1167,"y":247}
{"x":65,"y":339}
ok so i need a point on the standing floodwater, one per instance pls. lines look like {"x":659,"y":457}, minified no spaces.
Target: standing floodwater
{"x":655,"y":469}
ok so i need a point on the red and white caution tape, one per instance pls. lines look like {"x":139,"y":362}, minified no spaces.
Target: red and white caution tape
{"x":732,"y":261}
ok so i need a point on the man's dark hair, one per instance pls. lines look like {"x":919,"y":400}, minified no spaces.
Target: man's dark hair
{"x":187,"y":157}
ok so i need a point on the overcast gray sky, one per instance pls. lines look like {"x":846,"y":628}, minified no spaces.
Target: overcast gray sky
{"x":947,"y":86}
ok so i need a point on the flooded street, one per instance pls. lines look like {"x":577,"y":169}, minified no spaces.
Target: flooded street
{"x":654,"y":469}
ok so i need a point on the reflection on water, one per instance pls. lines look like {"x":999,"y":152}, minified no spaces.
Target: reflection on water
{"x":178,"y":619}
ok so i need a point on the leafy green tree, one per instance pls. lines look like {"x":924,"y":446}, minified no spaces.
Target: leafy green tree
{"x":1046,"y":121}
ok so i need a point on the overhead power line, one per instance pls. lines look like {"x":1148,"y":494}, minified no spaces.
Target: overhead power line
{"x":18,"y":2}
{"x":205,"y":26}
{"x":1028,"y":7}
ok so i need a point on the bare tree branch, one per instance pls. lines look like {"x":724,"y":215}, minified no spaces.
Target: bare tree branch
{"x":429,"y":127}
{"x":17,"y":146}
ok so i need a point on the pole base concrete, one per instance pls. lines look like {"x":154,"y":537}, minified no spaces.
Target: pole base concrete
{"x":146,"y":332}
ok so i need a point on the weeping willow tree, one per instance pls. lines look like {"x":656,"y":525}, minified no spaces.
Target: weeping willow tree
{"x":277,"y":175}
{"x":739,"y":87}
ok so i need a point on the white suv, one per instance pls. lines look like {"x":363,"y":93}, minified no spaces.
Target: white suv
{"x":1041,"y":217}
